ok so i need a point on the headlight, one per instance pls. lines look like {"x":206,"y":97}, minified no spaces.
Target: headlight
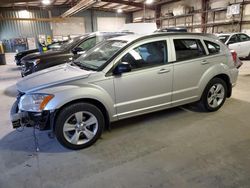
{"x":34,"y":102}
{"x":34,"y":62}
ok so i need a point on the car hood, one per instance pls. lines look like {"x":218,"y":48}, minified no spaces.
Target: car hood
{"x":26,"y":52}
{"x":42,"y":55}
{"x":50,"y":77}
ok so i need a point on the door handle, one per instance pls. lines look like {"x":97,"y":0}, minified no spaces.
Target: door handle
{"x":163,"y":71}
{"x":204,"y":62}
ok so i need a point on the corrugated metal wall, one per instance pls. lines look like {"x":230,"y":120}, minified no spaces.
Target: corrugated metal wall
{"x":14,"y":29}
{"x":10,"y":29}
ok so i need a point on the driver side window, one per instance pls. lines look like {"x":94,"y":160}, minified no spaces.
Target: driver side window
{"x":233,"y":39}
{"x":88,"y":44}
{"x":147,"y":55}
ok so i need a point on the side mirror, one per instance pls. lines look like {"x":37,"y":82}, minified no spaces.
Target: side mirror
{"x":77,"y":50}
{"x":121,"y":68}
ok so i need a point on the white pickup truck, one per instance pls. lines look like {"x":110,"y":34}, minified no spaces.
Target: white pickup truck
{"x":239,"y":42}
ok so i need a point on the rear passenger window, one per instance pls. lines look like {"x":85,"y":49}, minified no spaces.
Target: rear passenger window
{"x":212,"y":47}
{"x":188,"y":49}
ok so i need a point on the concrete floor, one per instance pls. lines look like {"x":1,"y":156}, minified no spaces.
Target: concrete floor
{"x":175,"y":148}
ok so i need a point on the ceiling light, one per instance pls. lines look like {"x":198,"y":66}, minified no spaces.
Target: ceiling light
{"x":46,"y":2}
{"x":149,"y":2}
{"x":119,"y":10}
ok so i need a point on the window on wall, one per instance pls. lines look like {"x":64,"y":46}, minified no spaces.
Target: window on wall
{"x":110,"y":23}
{"x":147,"y":55}
{"x":188,"y":49}
{"x":212,"y":47}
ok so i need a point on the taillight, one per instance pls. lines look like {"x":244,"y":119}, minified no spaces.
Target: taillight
{"x":237,"y":61}
{"x":234,"y":56}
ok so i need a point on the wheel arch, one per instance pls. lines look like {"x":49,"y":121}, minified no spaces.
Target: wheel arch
{"x":226,"y":78}
{"x":218,"y":71}
{"x":95,"y":102}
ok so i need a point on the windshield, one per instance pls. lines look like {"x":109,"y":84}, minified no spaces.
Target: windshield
{"x":69,"y":43}
{"x":72,"y":42}
{"x":100,"y":54}
{"x":223,"y":38}
{"x":56,"y":45}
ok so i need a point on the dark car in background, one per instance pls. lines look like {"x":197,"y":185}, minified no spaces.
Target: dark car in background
{"x":53,"y":46}
{"x":69,"y":51}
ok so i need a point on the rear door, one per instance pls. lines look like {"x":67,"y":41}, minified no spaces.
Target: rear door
{"x":190,"y":64}
{"x":234,"y":44}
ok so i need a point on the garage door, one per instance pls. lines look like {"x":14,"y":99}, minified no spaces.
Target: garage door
{"x":71,"y":26}
{"x":110,"y":23}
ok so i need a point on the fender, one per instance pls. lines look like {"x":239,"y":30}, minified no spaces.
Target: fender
{"x":210,"y":73}
{"x":70,"y":93}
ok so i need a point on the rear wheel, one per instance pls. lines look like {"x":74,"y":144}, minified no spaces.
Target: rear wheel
{"x":79,"y":125}
{"x":214,"y":95}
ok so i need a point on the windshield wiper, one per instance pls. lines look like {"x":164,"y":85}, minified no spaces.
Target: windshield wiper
{"x":79,"y":64}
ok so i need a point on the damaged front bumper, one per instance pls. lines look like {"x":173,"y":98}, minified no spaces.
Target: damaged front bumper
{"x":44,"y":120}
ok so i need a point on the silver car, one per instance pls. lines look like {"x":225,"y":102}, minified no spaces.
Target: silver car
{"x":124,"y":77}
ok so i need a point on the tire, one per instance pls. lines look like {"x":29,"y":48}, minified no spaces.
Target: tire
{"x":214,"y":95}
{"x":79,"y":125}
{"x":14,"y":108}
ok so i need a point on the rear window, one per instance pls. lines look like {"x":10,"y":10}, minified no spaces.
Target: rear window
{"x":188,"y":49}
{"x":212,"y":47}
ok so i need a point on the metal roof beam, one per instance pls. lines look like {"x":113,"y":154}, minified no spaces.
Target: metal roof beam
{"x":130,"y":3}
{"x":82,"y":5}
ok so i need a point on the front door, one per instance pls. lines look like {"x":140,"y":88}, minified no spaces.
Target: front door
{"x":148,"y":87}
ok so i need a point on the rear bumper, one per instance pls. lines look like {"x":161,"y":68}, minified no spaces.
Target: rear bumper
{"x":234,"y":76}
{"x":30,"y":119}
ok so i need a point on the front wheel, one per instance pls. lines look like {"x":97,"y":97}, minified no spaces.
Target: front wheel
{"x":79,"y":125}
{"x":214,"y":95}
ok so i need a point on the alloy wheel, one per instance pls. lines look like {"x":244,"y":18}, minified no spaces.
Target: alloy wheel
{"x":80,"y":128}
{"x":216,"y":95}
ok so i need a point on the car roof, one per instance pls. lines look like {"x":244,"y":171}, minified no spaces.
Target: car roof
{"x":128,"y":38}
{"x":133,"y":37}
{"x":220,"y":34}
{"x":102,"y":33}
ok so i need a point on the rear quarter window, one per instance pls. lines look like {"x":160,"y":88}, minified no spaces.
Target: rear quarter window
{"x":212,"y":47}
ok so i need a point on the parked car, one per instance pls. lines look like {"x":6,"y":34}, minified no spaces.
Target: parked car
{"x":72,"y":49}
{"x":20,"y":55}
{"x":172,"y":29}
{"x":124,"y":77}
{"x":239,"y":42}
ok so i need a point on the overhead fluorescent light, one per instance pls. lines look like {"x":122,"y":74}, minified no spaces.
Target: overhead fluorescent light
{"x":82,"y":5}
{"x":46,"y":2}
